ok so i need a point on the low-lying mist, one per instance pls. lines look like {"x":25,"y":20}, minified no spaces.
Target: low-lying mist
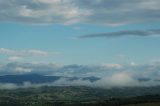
{"x":110,"y":75}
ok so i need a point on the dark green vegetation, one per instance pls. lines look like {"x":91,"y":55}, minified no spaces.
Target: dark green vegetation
{"x":145,"y":104}
{"x":80,"y":96}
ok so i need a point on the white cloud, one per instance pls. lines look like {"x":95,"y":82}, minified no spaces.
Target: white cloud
{"x":25,"y":12}
{"x":24,"y":53}
{"x":121,"y":79}
{"x":37,"y":53}
{"x":22,"y":70}
{"x":15,"y":58}
{"x":133,"y":63}
{"x":116,"y":66}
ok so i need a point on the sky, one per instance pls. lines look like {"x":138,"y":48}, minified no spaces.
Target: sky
{"x":88,"y":33}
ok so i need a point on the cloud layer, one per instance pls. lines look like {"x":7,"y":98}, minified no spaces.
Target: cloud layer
{"x":15,"y":55}
{"x":110,"y":75}
{"x":108,"y":12}
{"x":142,"y":33}
{"x":41,"y":11}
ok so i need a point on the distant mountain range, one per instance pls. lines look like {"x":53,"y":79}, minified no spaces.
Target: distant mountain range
{"x":36,"y":78}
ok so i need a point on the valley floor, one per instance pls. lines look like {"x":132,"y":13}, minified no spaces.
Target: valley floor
{"x":80,"y":96}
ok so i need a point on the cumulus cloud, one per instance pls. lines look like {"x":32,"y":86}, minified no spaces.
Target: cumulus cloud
{"x":109,"y":12}
{"x":141,"y":33}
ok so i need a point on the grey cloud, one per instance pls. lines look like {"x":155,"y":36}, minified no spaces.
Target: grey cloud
{"x":119,"y":12}
{"x":142,"y":33}
{"x":108,"y":12}
{"x":40,"y":11}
